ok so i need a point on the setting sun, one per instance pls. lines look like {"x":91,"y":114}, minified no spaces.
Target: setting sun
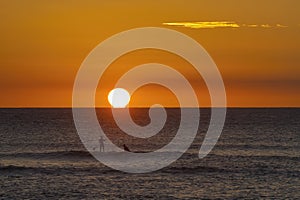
{"x":118,"y":98}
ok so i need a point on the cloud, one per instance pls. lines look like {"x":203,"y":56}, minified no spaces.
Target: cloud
{"x":204,"y":24}
{"x":281,"y":26}
{"x":251,"y":25}
{"x":220,"y":24}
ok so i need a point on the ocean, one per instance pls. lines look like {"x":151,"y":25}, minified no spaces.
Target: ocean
{"x":257,"y":157}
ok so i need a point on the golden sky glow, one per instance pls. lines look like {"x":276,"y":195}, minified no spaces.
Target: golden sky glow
{"x":255,"y":44}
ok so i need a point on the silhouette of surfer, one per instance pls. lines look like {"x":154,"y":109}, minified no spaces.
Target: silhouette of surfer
{"x":101,"y":144}
{"x":126,"y":148}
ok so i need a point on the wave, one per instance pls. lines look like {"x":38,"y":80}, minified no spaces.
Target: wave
{"x":48,"y":154}
{"x":14,"y":170}
{"x":242,"y":170}
{"x":53,"y":170}
{"x":55,"y":154}
{"x":86,"y":154}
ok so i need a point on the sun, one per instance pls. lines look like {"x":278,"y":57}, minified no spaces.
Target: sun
{"x":118,"y":98}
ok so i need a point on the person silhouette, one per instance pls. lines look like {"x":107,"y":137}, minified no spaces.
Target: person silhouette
{"x":126,"y":148}
{"x":101,"y":144}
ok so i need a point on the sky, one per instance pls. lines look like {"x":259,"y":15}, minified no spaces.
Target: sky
{"x":255,"y":44}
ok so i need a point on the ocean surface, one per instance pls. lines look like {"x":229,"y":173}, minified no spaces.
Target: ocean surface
{"x":257,"y":157}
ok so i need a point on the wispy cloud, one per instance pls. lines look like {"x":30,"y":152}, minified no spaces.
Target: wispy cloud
{"x":204,"y":24}
{"x":220,"y":24}
{"x":281,"y":26}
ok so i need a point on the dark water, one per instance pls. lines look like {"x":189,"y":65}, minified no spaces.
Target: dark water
{"x":257,"y":156}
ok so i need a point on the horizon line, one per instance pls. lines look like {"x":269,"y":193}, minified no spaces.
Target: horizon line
{"x":141,"y":107}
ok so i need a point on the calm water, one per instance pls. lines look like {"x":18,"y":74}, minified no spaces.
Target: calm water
{"x":257,"y":156}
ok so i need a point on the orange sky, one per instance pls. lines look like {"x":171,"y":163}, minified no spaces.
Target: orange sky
{"x":44,"y":43}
